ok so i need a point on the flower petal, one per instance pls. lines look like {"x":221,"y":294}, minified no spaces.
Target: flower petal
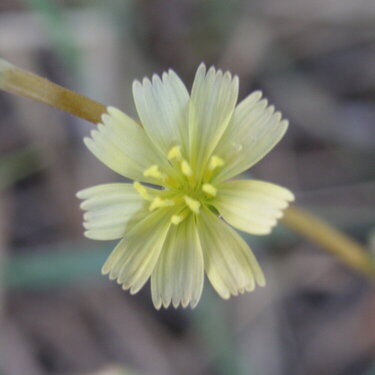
{"x":122,"y":145}
{"x":109,"y":208}
{"x":253,"y":131}
{"x":134,"y":258}
{"x":162,"y":108}
{"x":213,"y":99}
{"x":252,"y":206}
{"x":179,"y":273}
{"x":230,"y":264}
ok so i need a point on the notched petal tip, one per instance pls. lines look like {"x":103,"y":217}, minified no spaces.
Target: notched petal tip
{"x":225,"y":295}
{"x":194,"y":303}
{"x":257,"y":94}
{"x":211,"y":75}
{"x":90,"y":234}
{"x":290,"y":196}
{"x":88,"y":141}
{"x":87,"y":216}
{"x":250,"y":288}
{"x":166,"y":75}
{"x":81,"y":194}
{"x":86,"y":225}
{"x":271,"y":110}
{"x":102,"y":126}
{"x":133,"y":290}
{"x":84,"y":205}
{"x":113,"y":110}
{"x":105,"y":120}
{"x":175,"y":304}
{"x":93,"y":235}
{"x":263,"y":104}
{"x":157,"y":305}
{"x":202,"y":67}
{"x":171,"y":73}
{"x":156,"y":79}
{"x":284,"y":124}
{"x":285,"y":194}
{"x":146,"y":83}
{"x":105,"y":269}
{"x":261,"y":281}
{"x":136,"y":85}
{"x":184,"y":303}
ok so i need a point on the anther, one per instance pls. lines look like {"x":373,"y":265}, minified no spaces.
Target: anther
{"x":175,"y":153}
{"x":193,"y":204}
{"x":215,"y":162}
{"x":186,"y":168}
{"x":154,"y":172}
{"x":159,"y":202}
{"x":142,"y":191}
{"x":209,"y":189}
{"x":176,"y":219}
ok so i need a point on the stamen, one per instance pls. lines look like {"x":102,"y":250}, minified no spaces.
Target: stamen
{"x":159,"y":202}
{"x":215,"y":162}
{"x":193,"y":204}
{"x":209,"y":189}
{"x":154,"y":171}
{"x":175,"y":153}
{"x":176,"y":219}
{"x":142,"y":191}
{"x":186,"y":168}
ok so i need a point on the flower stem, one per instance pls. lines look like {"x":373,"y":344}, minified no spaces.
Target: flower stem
{"x":330,"y":239}
{"x":20,"y":82}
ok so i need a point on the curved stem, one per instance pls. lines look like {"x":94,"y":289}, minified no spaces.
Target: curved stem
{"x":330,"y":239}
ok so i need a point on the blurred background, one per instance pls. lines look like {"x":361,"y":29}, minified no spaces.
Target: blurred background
{"x":315,"y":60}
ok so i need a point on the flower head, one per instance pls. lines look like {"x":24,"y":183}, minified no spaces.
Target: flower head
{"x":172,"y":222}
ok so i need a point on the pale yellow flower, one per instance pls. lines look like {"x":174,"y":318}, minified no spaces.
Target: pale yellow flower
{"x":173,"y":220}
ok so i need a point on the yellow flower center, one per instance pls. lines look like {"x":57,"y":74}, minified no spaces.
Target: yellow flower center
{"x":184,"y":192}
